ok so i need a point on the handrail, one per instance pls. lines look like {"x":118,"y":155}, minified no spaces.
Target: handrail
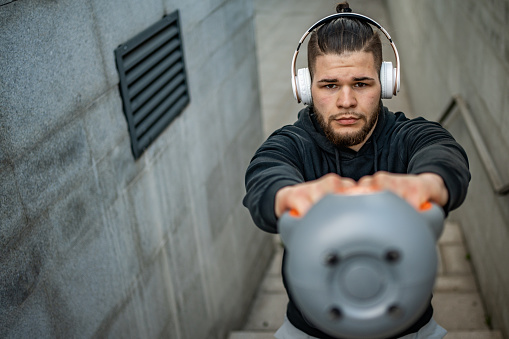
{"x":484,"y":154}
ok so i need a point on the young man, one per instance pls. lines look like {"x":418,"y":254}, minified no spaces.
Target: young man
{"x":345,"y":138}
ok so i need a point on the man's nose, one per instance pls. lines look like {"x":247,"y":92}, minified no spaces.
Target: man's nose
{"x":346,"y":98}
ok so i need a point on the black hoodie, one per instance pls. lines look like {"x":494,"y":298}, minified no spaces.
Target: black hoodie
{"x":301,"y":152}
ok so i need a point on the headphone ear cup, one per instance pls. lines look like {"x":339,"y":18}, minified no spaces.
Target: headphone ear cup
{"x":398,"y":81}
{"x":304,"y":86}
{"x":387,"y":75}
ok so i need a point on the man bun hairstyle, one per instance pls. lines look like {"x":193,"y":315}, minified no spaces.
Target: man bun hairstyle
{"x":343,"y":7}
{"x":344,"y":35}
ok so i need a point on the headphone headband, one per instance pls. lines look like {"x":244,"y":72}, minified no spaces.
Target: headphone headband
{"x":333,"y":17}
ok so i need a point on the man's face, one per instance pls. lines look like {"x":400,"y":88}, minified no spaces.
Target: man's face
{"x":346,"y":97}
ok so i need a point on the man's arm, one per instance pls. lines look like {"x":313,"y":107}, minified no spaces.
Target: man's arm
{"x":276,"y":164}
{"x":429,"y":149}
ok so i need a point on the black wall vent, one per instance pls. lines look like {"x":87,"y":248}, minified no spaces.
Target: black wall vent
{"x":153,"y":81}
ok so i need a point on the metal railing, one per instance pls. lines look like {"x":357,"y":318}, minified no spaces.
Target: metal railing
{"x":457,"y":100}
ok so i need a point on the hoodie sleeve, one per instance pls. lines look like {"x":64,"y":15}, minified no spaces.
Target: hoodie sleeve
{"x":276,"y":164}
{"x":433,"y":149}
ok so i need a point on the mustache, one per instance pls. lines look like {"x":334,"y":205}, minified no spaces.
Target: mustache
{"x":349,"y":114}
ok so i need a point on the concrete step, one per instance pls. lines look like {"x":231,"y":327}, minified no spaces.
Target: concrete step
{"x":458,"y":283}
{"x":467,"y":335}
{"x":252,"y":335}
{"x":267,"y":313}
{"x":459,"y":311}
{"x":450,"y":335}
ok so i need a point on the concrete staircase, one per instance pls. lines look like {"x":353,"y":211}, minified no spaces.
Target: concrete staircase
{"x":457,"y":303}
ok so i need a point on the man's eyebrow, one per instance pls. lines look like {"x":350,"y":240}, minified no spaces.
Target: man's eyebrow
{"x":328,"y":81}
{"x":363,"y":79}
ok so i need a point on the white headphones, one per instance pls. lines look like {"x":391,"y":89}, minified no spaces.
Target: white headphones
{"x":389,"y":76}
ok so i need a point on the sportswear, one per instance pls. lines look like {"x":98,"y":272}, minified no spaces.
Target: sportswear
{"x":301,"y":152}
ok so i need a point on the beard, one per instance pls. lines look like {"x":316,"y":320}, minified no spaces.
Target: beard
{"x":347,"y":139}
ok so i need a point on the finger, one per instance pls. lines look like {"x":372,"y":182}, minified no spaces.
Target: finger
{"x":303,"y":206}
{"x":299,"y":198}
{"x":372,"y":183}
{"x":301,"y":201}
{"x":335,"y":183}
{"x":347,"y":183}
{"x":365,"y":181}
{"x":304,"y":196}
{"x":415,"y":200}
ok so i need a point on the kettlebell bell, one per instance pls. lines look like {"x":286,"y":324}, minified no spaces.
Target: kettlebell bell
{"x":362,"y":265}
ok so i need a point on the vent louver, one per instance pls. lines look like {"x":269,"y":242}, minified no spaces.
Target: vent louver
{"x":153,"y":82}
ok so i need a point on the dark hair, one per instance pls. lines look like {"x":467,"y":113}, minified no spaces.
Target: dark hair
{"x":344,"y":34}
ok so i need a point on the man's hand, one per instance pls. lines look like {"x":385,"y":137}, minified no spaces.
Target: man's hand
{"x":415,"y":189}
{"x":302,"y":197}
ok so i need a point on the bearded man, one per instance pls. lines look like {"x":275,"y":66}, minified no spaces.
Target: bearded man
{"x":346,"y":137}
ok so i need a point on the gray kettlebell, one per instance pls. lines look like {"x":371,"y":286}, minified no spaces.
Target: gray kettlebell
{"x":362,"y":265}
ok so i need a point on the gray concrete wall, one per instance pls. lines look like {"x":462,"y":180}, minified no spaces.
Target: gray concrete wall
{"x":462,"y":46}
{"x":93,"y":243}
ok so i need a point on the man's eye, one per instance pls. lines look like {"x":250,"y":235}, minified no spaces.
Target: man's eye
{"x":330,"y":86}
{"x":360,"y":84}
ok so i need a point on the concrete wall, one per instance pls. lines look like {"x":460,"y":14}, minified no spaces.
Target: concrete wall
{"x":93,"y":243}
{"x":462,"y":46}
